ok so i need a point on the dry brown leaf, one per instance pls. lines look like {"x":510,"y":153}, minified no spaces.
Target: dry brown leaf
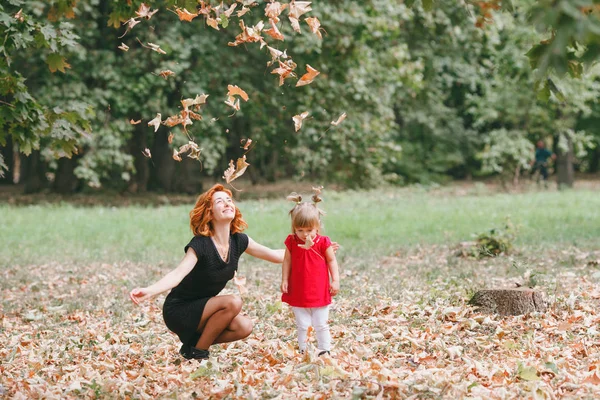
{"x":249,"y":34}
{"x":247,"y":143}
{"x":232,"y":102}
{"x":166,"y":73}
{"x":212,"y":22}
{"x":235,"y":171}
{"x":274,"y":31}
{"x":275,"y":55}
{"x":339,"y":120}
{"x":285,"y":70}
{"x":185,"y":15}
{"x":233,"y":90}
{"x":155,"y":122}
{"x":123,"y":47}
{"x":308,"y":77}
{"x":133,"y":122}
{"x":199,"y":100}
{"x":176,"y":155}
{"x":243,"y":11}
{"x":274,"y":9}
{"x":314,"y":25}
{"x":230,"y":10}
{"x":170,"y":138}
{"x":308,"y":243}
{"x":240,"y":282}
{"x":298,"y":8}
{"x":147,"y":153}
{"x":145,"y":12}
{"x":19,"y":16}
{"x":298,"y":120}
{"x":295,"y":24}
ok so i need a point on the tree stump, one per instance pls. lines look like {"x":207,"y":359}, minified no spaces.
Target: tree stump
{"x":514,"y":301}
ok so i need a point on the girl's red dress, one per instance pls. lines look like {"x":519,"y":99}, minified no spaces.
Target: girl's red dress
{"x":308,"y":284}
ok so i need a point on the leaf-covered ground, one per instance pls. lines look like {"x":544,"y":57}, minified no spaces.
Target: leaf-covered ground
{"x":401,"y":329}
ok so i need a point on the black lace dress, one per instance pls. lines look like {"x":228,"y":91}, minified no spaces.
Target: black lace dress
{"x":184,"y":305}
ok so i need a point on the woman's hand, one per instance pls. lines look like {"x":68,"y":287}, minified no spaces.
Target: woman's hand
{"x":139,"y":294}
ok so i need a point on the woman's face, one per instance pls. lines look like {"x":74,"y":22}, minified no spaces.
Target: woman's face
{"x":223,"y":208}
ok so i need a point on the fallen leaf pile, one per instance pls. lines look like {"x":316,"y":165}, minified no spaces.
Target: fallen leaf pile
{"x":401,"y":328}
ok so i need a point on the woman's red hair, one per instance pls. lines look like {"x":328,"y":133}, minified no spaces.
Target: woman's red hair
{"x":201,"y":215}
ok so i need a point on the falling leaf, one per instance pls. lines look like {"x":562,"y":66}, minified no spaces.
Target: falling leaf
{"x":298,"y":120}
{"x":145,"y":12}
{"x":274,"y":9}
{"x":249,"y":34}
{"x":19,"y":16}
{"x":212,"y":22}
{"x":176,"y":155}
{"x":156,"y":48}
{"x":166,"y":73}
{"x":243,"y":11}
{"x":235,"y":171}
{"x":191,"y":148}
{"x":123,"y":47}
{"x":314,"y":24}
{"x":274,"y":31}
{"x":185,"y":15}
{"x":295,"y":24}
{"x":298,"y":8}
{"x":170,"y":138}
{"x":131,"y":23}
{"x":147,"y":153}
{"x":339,"y":120}
{"x":285,"y":70}
{"x":240,"y":282}
{"x":155,"y":122}
{"x":132,"y":122}
{"x":233,"y":90}
{"x":232,"y":102}
{"x":197,"y":101}
{"x":308,"y":243}
{"x":308,"y":77}
{"x":247,"y":143}
{"x":230,"y":10}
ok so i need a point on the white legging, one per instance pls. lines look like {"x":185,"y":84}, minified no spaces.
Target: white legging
{"x":317,"y":317}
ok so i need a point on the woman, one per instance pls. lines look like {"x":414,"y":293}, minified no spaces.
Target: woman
{"x":193,"y":309}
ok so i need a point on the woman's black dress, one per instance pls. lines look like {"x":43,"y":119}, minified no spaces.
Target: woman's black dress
{"x":184,"y":305}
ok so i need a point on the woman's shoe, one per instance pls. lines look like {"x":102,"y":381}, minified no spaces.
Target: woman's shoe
{"x":192,"y":353}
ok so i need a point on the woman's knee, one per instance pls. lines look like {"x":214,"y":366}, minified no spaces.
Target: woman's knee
{"x":234,"y":304}
{"x":246,"y":327}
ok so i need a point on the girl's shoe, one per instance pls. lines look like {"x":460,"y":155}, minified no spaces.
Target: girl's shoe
{"x":192,"y":353}
{"x":324,"y":352}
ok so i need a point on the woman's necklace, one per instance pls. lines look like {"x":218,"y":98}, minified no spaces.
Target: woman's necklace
{"x":222,"y":250}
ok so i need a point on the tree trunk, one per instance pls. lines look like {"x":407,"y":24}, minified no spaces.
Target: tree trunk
{"x":595,"y":160}
{"x":515,"y":301}
{"x":565,"y":173}
{"x":163,"y":165}
{"x":65,"y":180}
{"x":7,"y":154}
{"x":137,"y":144}
{"x":187,"y":176}
{"x":34,"y":173}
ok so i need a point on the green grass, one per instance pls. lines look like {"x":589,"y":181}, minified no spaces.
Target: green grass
{"x":367,"y":224}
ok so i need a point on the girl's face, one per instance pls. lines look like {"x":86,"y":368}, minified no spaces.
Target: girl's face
{"x":223,"y":208}
{"x":303,"y":233}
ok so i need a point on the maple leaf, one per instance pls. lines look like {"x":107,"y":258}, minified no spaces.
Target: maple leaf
{"x":199,"y":100}
{"x":276,"y":55}
{"x":308,"y":77}
{"x":145,"y":12}
{"x":233,"y":90}
{"x":308,"y":243}
{"x":298,"y":120}
{"x":212,"y":22}
{"x":314,"y":25}
{"x":230,"y":10}
{"x":176,"y":155}
{"x":339,"y":120}
{"x":185,"y":15}
{"x":243,"y":11}
{"x":249,"y":34}
{"x":123,"y":47}
{"x":191,"y":147}
{"x":285,"y":70}
{"x":295,"y":24}
{"x":147,"y":153}
{"x":298,"y":8}
{"x":132,"y":122}
{"x":232,"y":102}
{"x":155,"y":122}
{"x":166,"y":73}
{"x":274,"y":9}
{"x":177,"y":119}
{"x":235,"y":171}
{"x":274,"y":31}
{"x":56,"y":62}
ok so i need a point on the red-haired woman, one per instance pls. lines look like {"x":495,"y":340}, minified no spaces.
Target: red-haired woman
{"x":193,"y":309}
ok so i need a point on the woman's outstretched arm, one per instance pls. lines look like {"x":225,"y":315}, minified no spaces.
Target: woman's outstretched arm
{"x":264,"y":253}
{"x":169,"y":281}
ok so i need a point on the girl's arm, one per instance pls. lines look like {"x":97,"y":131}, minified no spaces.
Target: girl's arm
{"x":333,"y":271}
{"x":264,"y":253}
{"x":285,"y":271}
{"x":169,"y":281}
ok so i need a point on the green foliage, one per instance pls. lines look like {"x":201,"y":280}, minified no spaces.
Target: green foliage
{"x":496,"y":241}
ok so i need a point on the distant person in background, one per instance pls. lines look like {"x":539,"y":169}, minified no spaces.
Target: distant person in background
{"x":541,"y":160}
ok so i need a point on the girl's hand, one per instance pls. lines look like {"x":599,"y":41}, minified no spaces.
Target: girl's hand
{"x":139,"y":294}
{"x":284,"y":287}
{"x":334,"y":288}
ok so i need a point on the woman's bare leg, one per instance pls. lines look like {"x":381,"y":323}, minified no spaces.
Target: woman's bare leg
{"x":221,"y":321}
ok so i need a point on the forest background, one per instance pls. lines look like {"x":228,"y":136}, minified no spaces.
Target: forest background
{"x":433,"y":92}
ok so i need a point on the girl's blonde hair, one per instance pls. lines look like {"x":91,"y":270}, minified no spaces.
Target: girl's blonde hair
{"x":306,"y":215}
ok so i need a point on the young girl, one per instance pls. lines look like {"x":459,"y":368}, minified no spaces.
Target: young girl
{"x":308,"y":264}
